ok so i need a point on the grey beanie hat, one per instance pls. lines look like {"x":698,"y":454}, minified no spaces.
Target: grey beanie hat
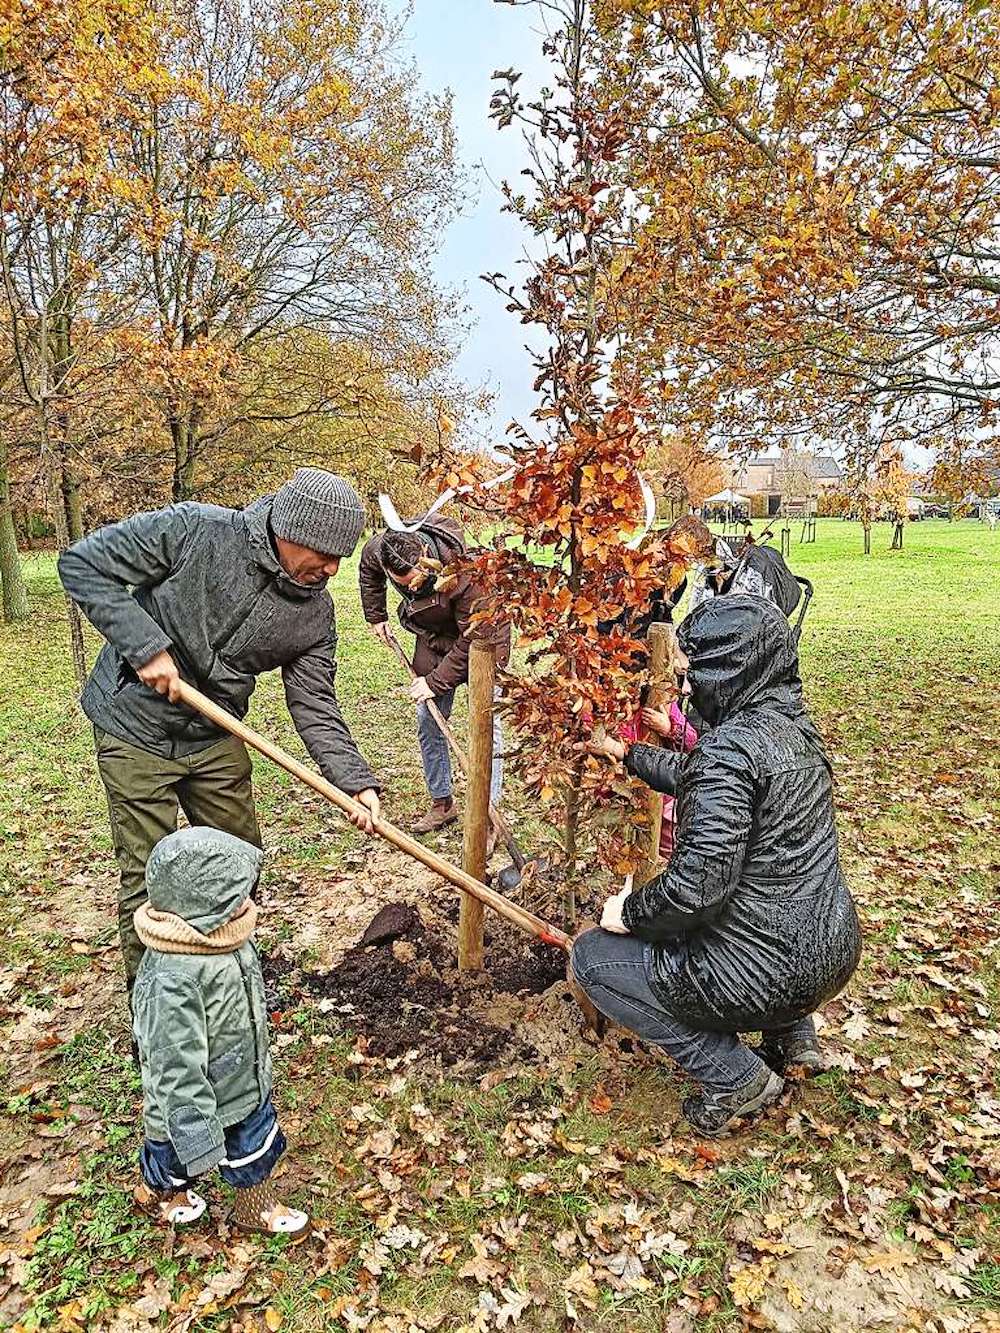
{"x":320,"y":510}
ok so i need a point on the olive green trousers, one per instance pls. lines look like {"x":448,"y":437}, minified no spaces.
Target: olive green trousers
{"x":145,"y":792}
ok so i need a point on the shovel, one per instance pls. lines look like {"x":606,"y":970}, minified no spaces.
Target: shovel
{"x":517,"y":916}
{"x":510,"y":876}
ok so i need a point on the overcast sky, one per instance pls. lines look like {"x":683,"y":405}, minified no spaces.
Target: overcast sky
{"x":456,"y":44}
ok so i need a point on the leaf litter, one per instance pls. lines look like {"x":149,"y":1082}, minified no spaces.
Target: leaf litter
{"x":866,"y":1200}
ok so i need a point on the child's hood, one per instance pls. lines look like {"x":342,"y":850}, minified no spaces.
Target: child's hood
{"x":202,"y":875}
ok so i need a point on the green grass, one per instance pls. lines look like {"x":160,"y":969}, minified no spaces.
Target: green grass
{"x":900,"y":659}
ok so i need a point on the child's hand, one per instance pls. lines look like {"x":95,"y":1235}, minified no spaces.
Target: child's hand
{"x":658,"y":721}
{"x":605,"y":746}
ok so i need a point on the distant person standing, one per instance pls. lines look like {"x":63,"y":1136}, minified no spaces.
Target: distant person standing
{"x":442,"y":621}
{"x":214,"y":597}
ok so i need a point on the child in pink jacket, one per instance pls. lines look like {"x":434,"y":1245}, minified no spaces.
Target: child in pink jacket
{"x":677,"y":733}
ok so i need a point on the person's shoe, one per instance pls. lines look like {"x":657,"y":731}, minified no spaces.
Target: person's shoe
{"x":715,"y":1113}
{"x":175,"y":1208}
{"x":258,"y":1209}
{"x":796,"y":1049}
{"x":441,"y":813}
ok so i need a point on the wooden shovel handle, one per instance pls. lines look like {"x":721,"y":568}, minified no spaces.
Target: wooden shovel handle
{"x":518,"y":916}
{"x":435,"y":712}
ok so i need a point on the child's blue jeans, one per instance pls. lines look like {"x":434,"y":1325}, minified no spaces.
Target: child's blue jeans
{"x":253,"y":1147}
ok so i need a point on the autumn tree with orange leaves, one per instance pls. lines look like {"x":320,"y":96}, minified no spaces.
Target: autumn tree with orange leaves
{"x":215,"y":229}
{"x":565,"y":563}
{"x":69,"y":76}
{"x":764,"y":223}
{"x":683,"y":473}
{"x":816,"y":255}
{"x":287,"y":182}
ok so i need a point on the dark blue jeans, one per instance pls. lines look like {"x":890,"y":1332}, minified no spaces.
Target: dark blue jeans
{"x":436,"y":758}
{"x":614,"y":970}
{"x":253,"y":1147}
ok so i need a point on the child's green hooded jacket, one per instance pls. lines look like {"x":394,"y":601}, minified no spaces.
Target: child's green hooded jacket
{"x":199,"y":1015}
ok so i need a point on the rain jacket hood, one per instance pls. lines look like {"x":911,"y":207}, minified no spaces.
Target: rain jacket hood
{"x":199,"y":1018}
{"x":744,"y":658}
{"x":202,"y":875}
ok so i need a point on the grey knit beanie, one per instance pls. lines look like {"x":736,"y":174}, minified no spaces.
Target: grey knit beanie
{"x":320,"y":510}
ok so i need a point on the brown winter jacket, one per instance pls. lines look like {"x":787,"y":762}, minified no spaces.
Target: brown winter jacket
{"x":441,"y":621}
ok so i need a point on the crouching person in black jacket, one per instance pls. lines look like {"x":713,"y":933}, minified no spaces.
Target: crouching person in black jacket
{"x":751,"y":926}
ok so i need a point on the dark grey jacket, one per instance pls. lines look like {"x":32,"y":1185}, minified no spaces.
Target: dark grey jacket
{"x":207,"y":587}
{"x":751,"y":921}
{"x":200,"y":1020}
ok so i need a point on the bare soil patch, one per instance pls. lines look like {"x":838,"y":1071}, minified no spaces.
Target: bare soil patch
{"x":398,"y":989}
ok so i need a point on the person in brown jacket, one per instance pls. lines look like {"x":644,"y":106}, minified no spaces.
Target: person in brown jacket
{"x":443,"y":626}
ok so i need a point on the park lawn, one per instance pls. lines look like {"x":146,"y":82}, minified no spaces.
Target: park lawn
{"x":553,"y":1186}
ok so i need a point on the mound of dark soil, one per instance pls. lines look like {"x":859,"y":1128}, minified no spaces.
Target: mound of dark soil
{"x":399,"y":989}
{"x":525,"y":969}
{"x":280,"y":989}
{"x":400,"y":993}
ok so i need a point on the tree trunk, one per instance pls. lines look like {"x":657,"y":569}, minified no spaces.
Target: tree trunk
{"x":23,"y":526}
{"x":60,"y":512}
{"x":15,"y":596}
{"x":184,"y":433}
{"x":72,"y":501}
{"x":54,"y":453}
{"x":179,"y":438}
{"x":868,"y":538}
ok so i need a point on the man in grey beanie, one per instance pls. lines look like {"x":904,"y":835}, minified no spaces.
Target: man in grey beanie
{"x":215,"y":597}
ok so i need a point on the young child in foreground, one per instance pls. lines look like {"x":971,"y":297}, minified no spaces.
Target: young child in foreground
{"x":200,"y":1023}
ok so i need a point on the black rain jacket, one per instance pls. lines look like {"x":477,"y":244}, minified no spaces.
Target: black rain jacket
{"x":752,"y":924}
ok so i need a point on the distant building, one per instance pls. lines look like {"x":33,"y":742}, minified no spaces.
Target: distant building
{"x":767,"y":478}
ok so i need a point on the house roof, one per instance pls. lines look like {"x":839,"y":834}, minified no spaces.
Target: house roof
{"x":825,"y":465}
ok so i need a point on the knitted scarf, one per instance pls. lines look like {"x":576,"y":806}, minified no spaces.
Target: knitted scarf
{"x":170,"y":933}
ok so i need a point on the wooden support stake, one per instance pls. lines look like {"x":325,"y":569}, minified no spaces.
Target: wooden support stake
{"x":571,"y":827}
{"x":662,"y":642}
{"x":482,"y":677}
